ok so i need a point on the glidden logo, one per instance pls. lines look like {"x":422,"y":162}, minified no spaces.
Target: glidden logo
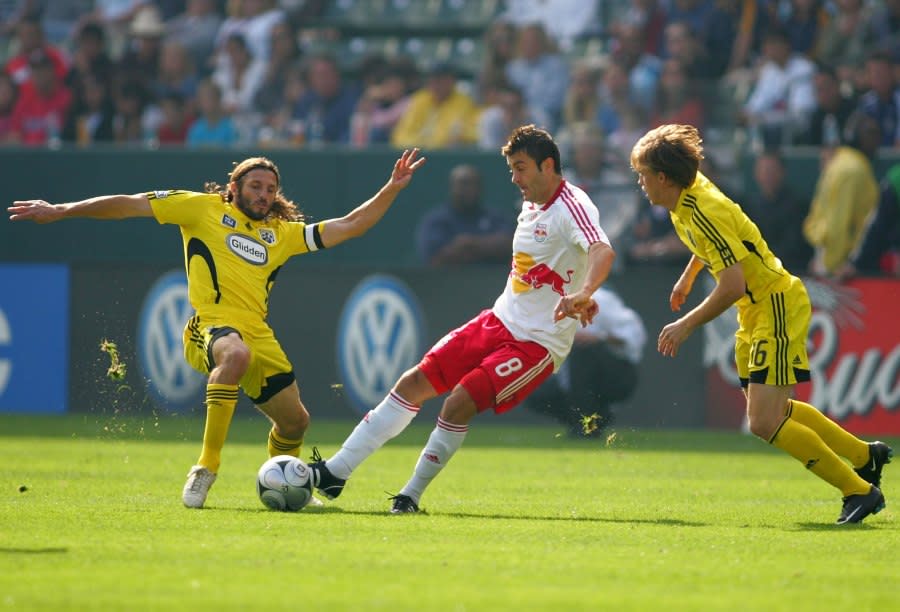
{"x":247,"y":249}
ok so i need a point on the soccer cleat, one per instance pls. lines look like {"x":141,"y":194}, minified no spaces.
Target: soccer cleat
{"x":858,"y":507}
{"x":199,"y":480}
{"x":879,"y":454}
{"x":323,"y":480}
{"x":403,"y":504}
{"x":314,"y":502}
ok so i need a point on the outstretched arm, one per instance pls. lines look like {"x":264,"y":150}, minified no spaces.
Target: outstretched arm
{"x":100,"y":207}
{"x":359,"y":220}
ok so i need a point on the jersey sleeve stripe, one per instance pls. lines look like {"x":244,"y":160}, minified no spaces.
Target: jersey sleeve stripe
{"x":313,"y":237}
{"x":712,"y":234}
{"x":581,"y":217}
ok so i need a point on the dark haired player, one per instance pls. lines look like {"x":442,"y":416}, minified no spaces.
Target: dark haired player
{"x":498,"y":358}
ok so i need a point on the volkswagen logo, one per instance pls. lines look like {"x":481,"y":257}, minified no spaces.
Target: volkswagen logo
{"x":380,"y":335}
{"x":171,"y":381}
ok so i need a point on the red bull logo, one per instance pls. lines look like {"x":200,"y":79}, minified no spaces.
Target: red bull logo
{"x":528,"y":275}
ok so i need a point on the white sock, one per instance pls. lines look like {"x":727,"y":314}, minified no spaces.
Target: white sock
{"x":444,"y":441}
{"x":385,"y":421}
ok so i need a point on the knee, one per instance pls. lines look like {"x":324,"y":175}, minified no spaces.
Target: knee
{"x":414,"y":386}
{"x":459,"y":407}
{"x":762,"y":425}
{"x":233,"y":356}
{"x":293,"y":424}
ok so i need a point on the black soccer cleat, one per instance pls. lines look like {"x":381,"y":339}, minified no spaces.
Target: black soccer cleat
{"x":858,"y":507}
{"x":879,"y":454}
{"x":323,"y":480}
{"x":403,"y":504}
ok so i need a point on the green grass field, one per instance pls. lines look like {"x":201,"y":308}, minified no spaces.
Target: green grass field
{"x":522,"y":519}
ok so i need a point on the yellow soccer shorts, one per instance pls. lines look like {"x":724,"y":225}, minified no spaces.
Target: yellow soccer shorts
{"x":770,"y":344}
{"x":269,"y":371}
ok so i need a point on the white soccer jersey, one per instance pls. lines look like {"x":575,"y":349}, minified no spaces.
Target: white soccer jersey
{"x":549,"y":260}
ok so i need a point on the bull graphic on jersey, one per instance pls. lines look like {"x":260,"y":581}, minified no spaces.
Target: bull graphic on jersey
{"x":528,"y":275}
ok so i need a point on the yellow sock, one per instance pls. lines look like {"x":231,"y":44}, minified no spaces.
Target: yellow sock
{"x":220,"y":403}
{"x":836,"y":437}
{"x":279,"y":445}
{"x":803,"y":444}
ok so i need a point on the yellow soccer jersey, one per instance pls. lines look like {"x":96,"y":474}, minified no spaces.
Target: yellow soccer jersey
{"x":231,"y":260}
{"x":717,"y":231}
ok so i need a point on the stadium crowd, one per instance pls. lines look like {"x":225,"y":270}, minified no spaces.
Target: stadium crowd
{"x":756,"y":74}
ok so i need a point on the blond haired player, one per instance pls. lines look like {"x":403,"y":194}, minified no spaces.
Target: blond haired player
{"x":773,"y":315}
{"x":235,"y":240}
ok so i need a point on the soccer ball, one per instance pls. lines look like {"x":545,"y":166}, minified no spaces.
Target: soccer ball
{"x":284,"y":483}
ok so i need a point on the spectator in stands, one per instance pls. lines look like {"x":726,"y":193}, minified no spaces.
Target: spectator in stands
{"x":508,"y":112}
{"x":804,"y":24}
{"x":464,"y":230}
{"x":279,"y":128}
{"x":678,"y":100}
{"x":643,"y":69}
{"x":778,"y":211}
{"x":61,"y":19}
{"x":132,"y":122}
{"x":594,"y":170}
{"x":140,"y":60}
{"x":116,"y":17}
{"x":845,"y":195}
{"x":176,"y":120}
{"x":439,"y":114}
{"x":564,"y":21}
{"x":328,"y":103}
{"x":239,"y":78}
{"x":90,"y":117}
{"x":499,"y":42}
{"x":653,"y":239}
{"x":602,"y":370}
{"x":621,"y":120}
{"x":30,"y":38}
{"x":879,"y":251}
{"x":882,"y":98}
{"x":254,"y":20}
{"x":383,"y":102}
{"x":687,"y":47}
{"x":89,"y":56}
{"x":582,"y":100}
{"x":833,"y":109}
{"x":285,"y":53}
{"x":696,"y":13}
{"x":648,"y":16}
{"x":213,"y":127}
{"x":196,"y":29}
{"x":883,"y":29}
{"x":540,"y":73}
{"x":9,"y":94}
{"x":177,"y":73}
{"x":843,"y":38}
{"x":783,"y":95}
{"x":42,"y":105}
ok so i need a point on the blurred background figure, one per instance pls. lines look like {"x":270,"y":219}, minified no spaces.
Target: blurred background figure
{"x":439,"y":114}
{"x":328,"y":102}
{"x":879,"y":251}
{"x":778,"y":212}
{"x":846,"y":194}
{"x":601,"y":372}
{"x":508,"y":112}
{"x":213,"y":126}
{"x":831,"y":112}
{"x":464,"y":230}
{"x":540,"y":73}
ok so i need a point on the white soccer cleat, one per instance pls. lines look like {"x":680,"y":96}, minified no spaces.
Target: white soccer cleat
{"x":314,"y":502}
{"x":199,"y":480}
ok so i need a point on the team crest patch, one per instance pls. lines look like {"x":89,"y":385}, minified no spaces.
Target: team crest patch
{"x":229,"y":221}
{"x":159,"y":195}
{"x":540,"y":232}
{"x":267,"y":235}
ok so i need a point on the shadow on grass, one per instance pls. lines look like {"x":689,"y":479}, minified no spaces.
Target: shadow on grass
{"x":668,"y":522}
{"x":32,"y":551}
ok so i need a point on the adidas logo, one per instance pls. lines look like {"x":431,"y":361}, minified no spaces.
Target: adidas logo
{"x":796,"y":360}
